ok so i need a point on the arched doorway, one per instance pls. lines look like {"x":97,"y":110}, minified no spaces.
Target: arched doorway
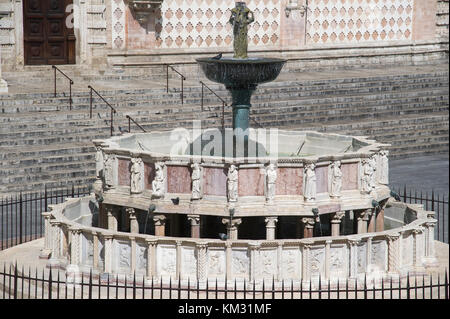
{"x":48,"y":39}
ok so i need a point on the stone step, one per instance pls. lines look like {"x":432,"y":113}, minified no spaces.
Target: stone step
{"x":30,"y":99}
{"x":336,"y":102}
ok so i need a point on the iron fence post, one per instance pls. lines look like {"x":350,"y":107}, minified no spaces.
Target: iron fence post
{"x":202,"y":96}
{"x":50,"y":283}
{"x":70,"y":95}
{"x":90,"y":101}
{"x":15,"y":281}
{"x":20,"y":216}
{"x":54,"y":69}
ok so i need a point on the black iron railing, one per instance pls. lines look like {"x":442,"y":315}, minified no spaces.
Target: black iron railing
{"x":436,"y":202}
{"x":130,"y":119}
{"x":222,"y":100}
{"x":113,"y":110}
{"x":20,"y":214}
{"x":55,"y":68}
{"x":53,"y":284}
{"x":183,"y":78}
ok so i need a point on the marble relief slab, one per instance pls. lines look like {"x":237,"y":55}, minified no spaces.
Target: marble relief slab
{"x":338,"y":260}
{"x":268,"y":263}
{"x":379,"y":254}
{"x":166,"y":262}
{"x":316,"y":261}
{"x":141,"y":257}
{"x":87,"y":244}
{"x":407,"y":250}
{"x":123,"y":256}
{"x":188,"y":262}
{"x":361,"y":252}
{"x":216,"y":262}
{"x":291,"y":263}
{"x":240,"y":262}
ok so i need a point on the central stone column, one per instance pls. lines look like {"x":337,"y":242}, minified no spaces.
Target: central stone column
{"x":363,"y":219}
{"x":271,"y":227}
{"x":336,"y":223}
{"x":232,"y":227}
{"x":195,"y":225}
{"x":160,"y":225}
{"x":134,"y":225}
{"x":308,"y":227}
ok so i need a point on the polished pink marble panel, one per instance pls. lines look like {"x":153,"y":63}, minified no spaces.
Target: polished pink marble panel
{"x":289,"y":181}
{"x":149,"y":173}
{"x":251,"y":182}
{"x":215,"y":181}
{"x":349,"y":176}
{"x":179,"y":179}
{"x":124,"y":172}
{"x":322,"y":179}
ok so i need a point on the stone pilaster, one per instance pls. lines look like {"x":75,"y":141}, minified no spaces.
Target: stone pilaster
{"x":353,"y":267}
{"x":95,"y":250}
{"x":133,"y":254}
{"x":151,"y":258}
{"x":416,"y":232}
{"x":108,"y":252}
{"x":254,"y":250}
{"x":430,"y":259}
{"x":232,"y":227}
{"x":308,"y":227}
{"x":393,"y":254}
{"x":305,"y":263}
{"x":336,"y":223}
{"x":201,"y":261}
{"x":327,"y":259}
{"x":134,"y":225}
{"x":75,"y":248}
{"x":55,"y":243}
{"x":47,"y":250}
{"x":228,"y":259}
{"x":195,"y":225}
{"x":271,"y":227}
{"x":160,"y":225}
{"x":178,"y":262}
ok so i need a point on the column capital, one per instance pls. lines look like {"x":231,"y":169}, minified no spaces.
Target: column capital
{"x":254,"y":246}
{"x":234,"y":222}
{"x":151,"y":241}
{"x":160,"y":220}
{"x":131,"y":211}
{"x":337,"y":217}
{"x":270,"y":221}
{"x":393,"y":237}
{"x":194,"y":219}
{"x":308,"y":222}
{"x":201,"y":246}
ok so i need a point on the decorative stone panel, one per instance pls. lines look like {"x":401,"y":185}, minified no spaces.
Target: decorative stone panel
{"x":149,"y":174}
{"x":215,"y":181}
{"x":179,"y":180}
{"x":351,"y":21}
{"x":188,"y":263}
{"x":289,"y":181}
{"x":251,"y":182}
{"x":349,"y":176}
{"x":166,"y":261}
{"x":240,"y":263}
{"x":203,"y":24}
{"x":216,"y":262}
{"x":118,"y":24}
{"x":124,"y":173}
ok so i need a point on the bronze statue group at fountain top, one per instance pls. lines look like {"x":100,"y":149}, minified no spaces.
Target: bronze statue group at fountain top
{"x":241,"y":17}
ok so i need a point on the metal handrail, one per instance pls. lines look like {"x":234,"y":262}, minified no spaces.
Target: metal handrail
{"x":113,"y":110}
{"x":183,"y":78}
{"x":70,"y":84}
{"x":130,"y":119}
{"x":222,"y":100}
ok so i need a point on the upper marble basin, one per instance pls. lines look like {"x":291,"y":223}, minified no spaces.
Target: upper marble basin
{"x":241,"y":73}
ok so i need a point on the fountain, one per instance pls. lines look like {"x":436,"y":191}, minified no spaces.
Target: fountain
{"x":241,"y":74}
{"x":161,"y":207}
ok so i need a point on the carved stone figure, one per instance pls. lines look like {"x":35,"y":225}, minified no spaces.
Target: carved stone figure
{"x":99,"y":162}
{"x":271,"y":174}
{"x":109,"y":169}
{"x":232,"y":183}
{"x":241,"y":17}
{"x":196,"y":181}
{"x":373,"y":177}
{"x":384,"y":167}
{"x":310,"y":182}
{"x":136,"y":175}
{"x":367,"y":176}
{"x":336,"y":179}
{"x":158,"y":182}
